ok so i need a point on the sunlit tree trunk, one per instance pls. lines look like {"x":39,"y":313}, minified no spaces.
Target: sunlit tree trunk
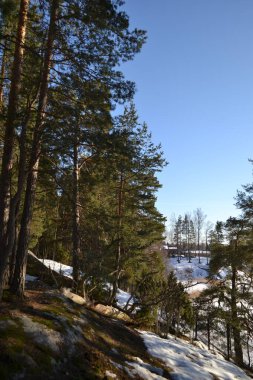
{"x":22,"y":247}
{"x":16,"y":199}
{"x":119,"y":238}
{"x":9,"y":137}
{"x":76,"y":242}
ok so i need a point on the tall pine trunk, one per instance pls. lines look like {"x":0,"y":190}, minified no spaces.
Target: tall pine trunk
{"x":18,"y":283}
{"x":2,"y":74}
{"x":9,"y":137}
{"x":235,"y":321}
{"x":76,"y":242}
{"x":15,"y":201}
{"x":115,"y":284}
{"x":11,"y":115}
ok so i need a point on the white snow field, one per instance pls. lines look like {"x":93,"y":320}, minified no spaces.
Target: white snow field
{"x":186,"y":271}
{"x":63,"y":269}
{"x":192,"y":275}
{"x":190,"y":362}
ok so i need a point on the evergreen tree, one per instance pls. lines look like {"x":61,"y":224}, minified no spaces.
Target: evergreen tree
{"x":7,"y":159}
{"x":135,"y":224}
{"x":87,"y":39}
{"x":186,"y":230}
{"x":199,"y":218}
{"x":178,"y":233}
{"x":234,"y":256}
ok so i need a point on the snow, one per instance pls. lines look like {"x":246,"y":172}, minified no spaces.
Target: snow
{"x":222,"y":273}
{"x":185,"y":361}
{"x":66,"y":270}
{"x":123,"y":297}
{"x":192,"y":275}
{"x":63,"y":269}
{"x":189,"y":362}
{"x":110,"y":374}
{"x":198,"y":287}
{"x":30,"y":278}
{"x":186,"y":271}
{"x":144,"y":370}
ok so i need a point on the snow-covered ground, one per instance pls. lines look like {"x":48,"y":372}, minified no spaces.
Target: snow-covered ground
{"x":144,"y":370}
{"x":30,"y":278}
{"x":63,"y":269}
{"x":186,"y":271}
{"x":192,"y":275}
{"x":66,"y":270}
{"x":196,"y":288}
{"x":185,"y":361}
{"x":123,"y":297}
{"x":188,"y":361}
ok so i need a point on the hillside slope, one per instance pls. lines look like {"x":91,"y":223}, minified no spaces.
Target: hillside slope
{"x":52,"y":334}
{"x":50,"y":337}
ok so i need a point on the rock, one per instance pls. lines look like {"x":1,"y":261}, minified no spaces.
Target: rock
{"x":41,"y":334}
{"x":112,"y":312}
{"x":7,"y":323}
{"x":73,"y":297}
{"x":110,"y":375}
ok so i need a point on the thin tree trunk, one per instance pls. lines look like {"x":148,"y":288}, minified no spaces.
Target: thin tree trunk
{"x":2,"y":74}
{"x":9,"y":136}
{"x":228,"y":341}
{"x":15,"y":201}
{"x":11,"y":115}
{"x":76,"y":243}
{"x":119,"y":247}
{"x":196,"y":327}
{"x":18,"y":283}
{"x":208,"y":332}
{"x":235,"y":321}
{"x":248,"y":351}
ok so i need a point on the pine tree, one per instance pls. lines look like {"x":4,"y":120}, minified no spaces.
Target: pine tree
{"x":234,"y":256}
{"x":178,"y":236}
{"x":7,"y":159}
{"x":186,"y":235}
{"x":199,"y":218}
{"x":92,"y":37}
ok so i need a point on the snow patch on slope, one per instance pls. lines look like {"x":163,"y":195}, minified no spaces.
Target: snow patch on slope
{"x":190,"y":362}
{"x":67,"y":270}
{"x":144,"y":370}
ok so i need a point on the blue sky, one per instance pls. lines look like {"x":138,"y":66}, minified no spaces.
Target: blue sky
{"x":194,"y":81}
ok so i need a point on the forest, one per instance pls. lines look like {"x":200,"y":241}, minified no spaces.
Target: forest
{"x":222,"y":311}
{"x":78,"y":182}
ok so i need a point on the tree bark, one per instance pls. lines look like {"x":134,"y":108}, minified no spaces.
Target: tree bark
{"x":228,"y":341}
{"x":196,"y":326}
{"x":10,"y":249}
{"x":119,"y":238}
{"x":208,"y":332}
{"x":235,"y":320}
{"x":11,"y":114}
{"x":9,"y":136}
{"x":18,"y":283}
{"x":76,"y":242}
{"x":2,"y":74}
